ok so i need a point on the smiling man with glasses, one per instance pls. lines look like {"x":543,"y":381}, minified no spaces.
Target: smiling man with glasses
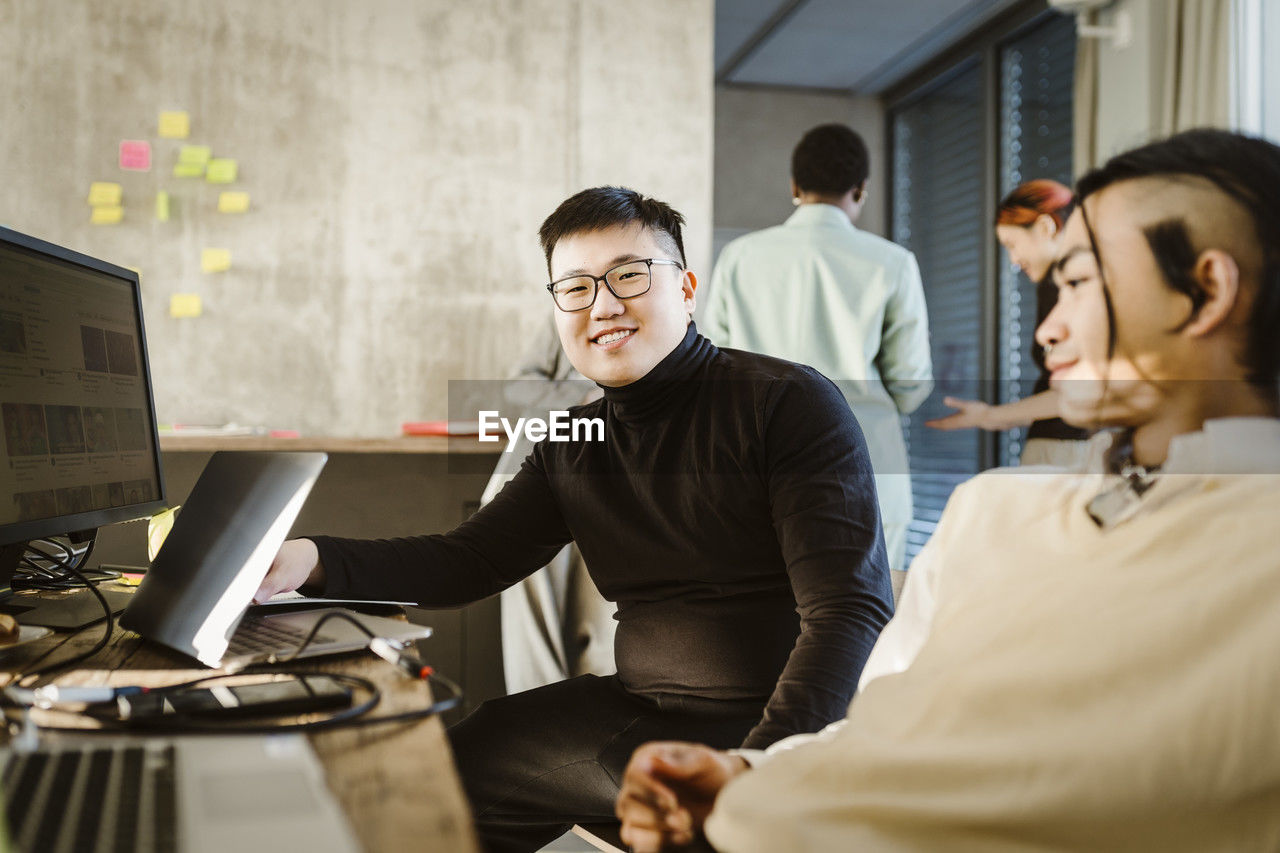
{"x":730,"y":511}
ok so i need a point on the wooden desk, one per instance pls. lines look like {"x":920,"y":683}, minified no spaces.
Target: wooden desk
{"x":396,"y":782}
{"x":429,"y":444}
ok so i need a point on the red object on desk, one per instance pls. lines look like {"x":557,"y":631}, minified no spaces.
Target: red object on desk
{"x":440,"y":428}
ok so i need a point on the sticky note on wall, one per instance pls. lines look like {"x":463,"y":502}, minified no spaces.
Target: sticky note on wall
{"x":192,"y":160}
{"x":102,"y":194}
{"x":162,"y":206}
{"x":215,"y":260}
{"x":106,"y":215}
{"x":233,"y":202}
{"x":135,"y":155}
{"x":221,"y":170}
{"x":195,"y":154}
{"x":174,"y":124}
{"x":185,"y":305}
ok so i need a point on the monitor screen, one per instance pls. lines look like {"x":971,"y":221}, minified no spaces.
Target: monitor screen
{"x":80,"y":447}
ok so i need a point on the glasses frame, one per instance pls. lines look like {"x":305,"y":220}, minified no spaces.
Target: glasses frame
{"x":597,"y":280}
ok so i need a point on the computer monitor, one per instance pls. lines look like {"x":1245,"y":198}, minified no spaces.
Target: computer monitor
{"x":80,"y":448}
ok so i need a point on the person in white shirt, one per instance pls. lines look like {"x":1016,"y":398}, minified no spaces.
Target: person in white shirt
{"x":819,"y":291}
{"x":1081,"y":660}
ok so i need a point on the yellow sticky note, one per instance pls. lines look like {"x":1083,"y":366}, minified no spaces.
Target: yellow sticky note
{"x":162,"y":206}
{"x":102,"y":194}
{"x":215,"y":260}
{"x":106,"y":215}
{"x":233,"y":202}
{"x":174,"y":124}
{"x":221,"y":170}
{"x":188,"y":170}
{"x":158,"y":527}
{"x":185,"y":305}
{"x":195,"y":154}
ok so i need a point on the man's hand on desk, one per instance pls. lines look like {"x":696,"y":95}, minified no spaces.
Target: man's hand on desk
{"x":668,"y":790}
{"x":296,"y":563}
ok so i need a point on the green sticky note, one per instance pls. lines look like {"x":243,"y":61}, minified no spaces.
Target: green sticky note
{"x":188,"y":170}
{"x":195,"y":154}
{"x":221,"y":171}
{"x":162,"y":206}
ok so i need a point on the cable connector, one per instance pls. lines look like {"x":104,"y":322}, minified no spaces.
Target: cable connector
{"x":51,"y":695}
{"x":396,"y":655}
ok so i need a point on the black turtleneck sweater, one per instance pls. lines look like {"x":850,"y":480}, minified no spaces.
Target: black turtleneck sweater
{"x":730,"y":512}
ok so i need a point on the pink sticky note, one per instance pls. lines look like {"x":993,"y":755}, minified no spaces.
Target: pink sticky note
{"x":135,"y":155}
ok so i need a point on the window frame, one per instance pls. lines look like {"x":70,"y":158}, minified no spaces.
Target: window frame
{"x":984,"y":47}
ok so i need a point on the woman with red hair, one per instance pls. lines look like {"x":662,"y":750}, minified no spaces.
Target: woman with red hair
{"x":1028,"y":224}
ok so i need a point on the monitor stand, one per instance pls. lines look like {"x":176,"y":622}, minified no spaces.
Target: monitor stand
{"x":67,"y":612}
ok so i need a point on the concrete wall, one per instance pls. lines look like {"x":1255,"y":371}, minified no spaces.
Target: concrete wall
{"x":1130,"y":78}
{"x":756,"y":129}
{"x":400,"y":155}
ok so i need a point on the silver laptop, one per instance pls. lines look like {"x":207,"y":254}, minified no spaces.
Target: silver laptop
{"x":195,"y":596}
{"x":83,"y":795}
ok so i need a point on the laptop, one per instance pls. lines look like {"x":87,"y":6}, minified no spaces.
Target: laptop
{"x":197,"y":593}
{"x":188,"y":795}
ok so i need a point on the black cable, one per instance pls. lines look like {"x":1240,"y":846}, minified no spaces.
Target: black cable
{"x":351,"y":717}
{"x":48,"y":578}
{"x":315,"y":629}
{"x":188,"y":724}
{"x":38,"y":672}
{"x":58,"y":582}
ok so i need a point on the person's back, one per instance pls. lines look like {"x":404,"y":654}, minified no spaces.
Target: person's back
{"x":815,"y":290}
{"x":819,"y":291}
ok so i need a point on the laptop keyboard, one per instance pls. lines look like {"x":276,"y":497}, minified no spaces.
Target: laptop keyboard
{"x":92,"y":799}
{"x":257,"y":635}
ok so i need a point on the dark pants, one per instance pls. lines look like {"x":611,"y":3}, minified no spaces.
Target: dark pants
{"x":536,"y":763}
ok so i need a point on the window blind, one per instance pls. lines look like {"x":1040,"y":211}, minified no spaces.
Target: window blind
{"x":1037,"y":69}
{"x":937,"y":144}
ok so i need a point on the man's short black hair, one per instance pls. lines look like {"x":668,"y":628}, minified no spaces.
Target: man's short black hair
{"x":1244,"y":168}
{"x":830,"y":159}
{"x":606,"y":207}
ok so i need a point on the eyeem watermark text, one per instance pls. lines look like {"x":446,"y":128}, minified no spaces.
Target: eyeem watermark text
{"x":558,"y":428}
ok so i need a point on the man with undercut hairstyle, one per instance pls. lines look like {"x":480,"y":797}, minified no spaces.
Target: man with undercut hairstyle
{"x":1082,"y":660}
{"x":730,"y":511}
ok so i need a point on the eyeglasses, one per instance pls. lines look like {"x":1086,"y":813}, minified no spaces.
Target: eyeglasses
{"x":625,"y":281}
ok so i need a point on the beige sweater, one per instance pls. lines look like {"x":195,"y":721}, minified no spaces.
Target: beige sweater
{"x":1049,"y":685}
